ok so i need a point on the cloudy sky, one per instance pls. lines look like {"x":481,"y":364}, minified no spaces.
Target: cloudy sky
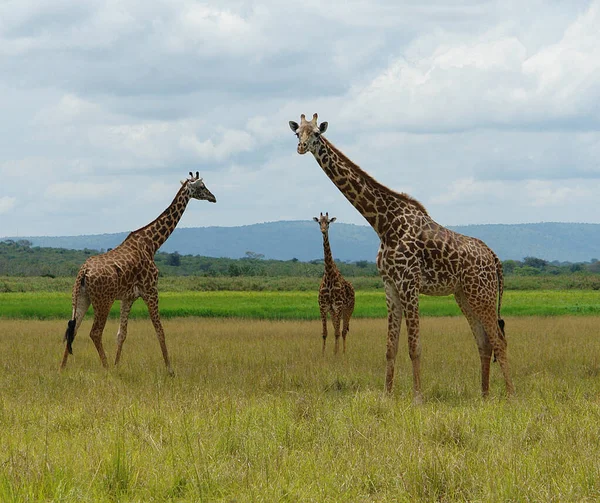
{"x":485,"y":111}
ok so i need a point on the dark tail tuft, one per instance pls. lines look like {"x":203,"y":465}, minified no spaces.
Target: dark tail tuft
{"x":70,"y":335}
{"x":501,"y":325}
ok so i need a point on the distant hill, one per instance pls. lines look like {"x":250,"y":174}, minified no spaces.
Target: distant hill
{"x":284,"y":240}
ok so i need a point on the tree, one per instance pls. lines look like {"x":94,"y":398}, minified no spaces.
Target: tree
{"x":535,"y":262}
{"x":174,"y":259}
{"x":250,"y":255}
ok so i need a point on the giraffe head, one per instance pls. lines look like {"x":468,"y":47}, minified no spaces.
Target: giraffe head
{"x":324,"y":222}
{"x":308,"y":133}
{"x":197,"y":189}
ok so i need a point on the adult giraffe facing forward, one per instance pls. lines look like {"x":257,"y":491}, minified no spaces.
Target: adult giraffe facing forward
{"x":128,"y":272}
{"x":418,"y":255}
{"x":336,"y":294}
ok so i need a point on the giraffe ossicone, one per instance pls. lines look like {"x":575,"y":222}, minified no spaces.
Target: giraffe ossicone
{"x":418,"y":255}
{"x":126,"y":273}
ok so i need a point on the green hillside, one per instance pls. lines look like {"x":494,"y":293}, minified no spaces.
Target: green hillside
{"x":563,"y":242}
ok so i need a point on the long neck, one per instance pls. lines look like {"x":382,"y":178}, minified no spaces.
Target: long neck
{"x":372,"y":199}
{"x":329,"y":263}
{"x":159,"y":230}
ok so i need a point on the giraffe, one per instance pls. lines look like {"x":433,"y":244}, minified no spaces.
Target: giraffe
{"x":336,"y":295}
{"x":126,"y":273}
{"x":418,"y":255}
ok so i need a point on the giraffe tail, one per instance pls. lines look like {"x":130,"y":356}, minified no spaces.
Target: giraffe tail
{"x":72,"y":323}
{"x":500,"y":275}
{"x":70,"y":335}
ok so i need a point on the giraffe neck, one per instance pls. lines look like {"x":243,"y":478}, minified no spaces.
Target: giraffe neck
{"x":159,"y":230}
{"x":372,"y":199}
{"x":330,"y":267}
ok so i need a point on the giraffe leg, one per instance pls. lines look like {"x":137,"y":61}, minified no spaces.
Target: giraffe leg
{"x":483,"y":341}
{"x":324,"y":321}
{"x":346,"y":326}
{"x":411,"y":312}
{"x":151,"y":301}
{"x":100,"y":317}
{"x":122,"y":333}
{"x":499,"y":346}
{"x":487,"y":315}
{"x":336,"y":318}
{"x":394,"y":308}
{"x":83,"y":303}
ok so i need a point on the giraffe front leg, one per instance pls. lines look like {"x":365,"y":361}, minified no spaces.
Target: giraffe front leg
{"x":122,"y":333}
{"x":394,"y":309}
{"x":151,"y":301}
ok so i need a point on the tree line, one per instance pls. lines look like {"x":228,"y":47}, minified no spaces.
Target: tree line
{"x":20,"y":258}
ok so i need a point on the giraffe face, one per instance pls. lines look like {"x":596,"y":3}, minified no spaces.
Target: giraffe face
{"x":324,"y":222}
{"x":308,"y":133}
{"x":198,"y":190}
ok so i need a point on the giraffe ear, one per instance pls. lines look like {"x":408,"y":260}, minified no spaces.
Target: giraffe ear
{"x":323,"y":126}
{"x":293,"y":126}
{"x":332,"y":220}
{"x":316,"y":219}
{"x":183,"y":182}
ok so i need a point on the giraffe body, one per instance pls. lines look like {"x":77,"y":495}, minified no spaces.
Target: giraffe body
{"x":418,"y":255}
{"x":126,"y":273}
{"x":336,"y":294}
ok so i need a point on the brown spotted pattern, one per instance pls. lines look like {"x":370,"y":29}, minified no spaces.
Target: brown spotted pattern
{"x":336,"y":294}
{"x":128,"y":272}
{"x":417,"y":255}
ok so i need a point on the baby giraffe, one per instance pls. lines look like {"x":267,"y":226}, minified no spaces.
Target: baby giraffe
{"x":336,"y":295}
{"x":128,"y":272}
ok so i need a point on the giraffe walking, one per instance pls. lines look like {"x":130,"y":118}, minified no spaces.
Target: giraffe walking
{"x":128,"y":272}
{"x":336,"y":295}
{"x":418,"y":255}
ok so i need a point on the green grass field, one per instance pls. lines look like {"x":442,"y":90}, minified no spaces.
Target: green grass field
{"x":297,"y":305}
{"x":255,"y":413}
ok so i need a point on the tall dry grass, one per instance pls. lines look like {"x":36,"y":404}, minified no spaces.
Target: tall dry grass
{"x":255,"y":413}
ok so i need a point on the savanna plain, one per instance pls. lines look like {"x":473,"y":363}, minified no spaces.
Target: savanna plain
{"x":255,"y":412}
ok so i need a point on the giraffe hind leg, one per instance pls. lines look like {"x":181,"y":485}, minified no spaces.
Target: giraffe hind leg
{"x":151,"y":301}
{"x":487,"y":317}
{"x":346,"y":326}
{"x":324,"y":332}
{"x":336,"y":318}
{"x":100,"y":317}
{"x":122,"y":333}
{"x":481,"y":338}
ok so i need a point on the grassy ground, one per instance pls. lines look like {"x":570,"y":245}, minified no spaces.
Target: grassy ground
{"x":255,"y":413}
{"x":297,"y":305}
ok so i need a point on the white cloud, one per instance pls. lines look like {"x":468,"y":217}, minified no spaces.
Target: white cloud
{"x":545,"y":193}
{"x":84,"y":191}
{"x":231,"y":142}
{"x":486,"y":80}
{"x":7,"y":204}
{"x":485,"y":111}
